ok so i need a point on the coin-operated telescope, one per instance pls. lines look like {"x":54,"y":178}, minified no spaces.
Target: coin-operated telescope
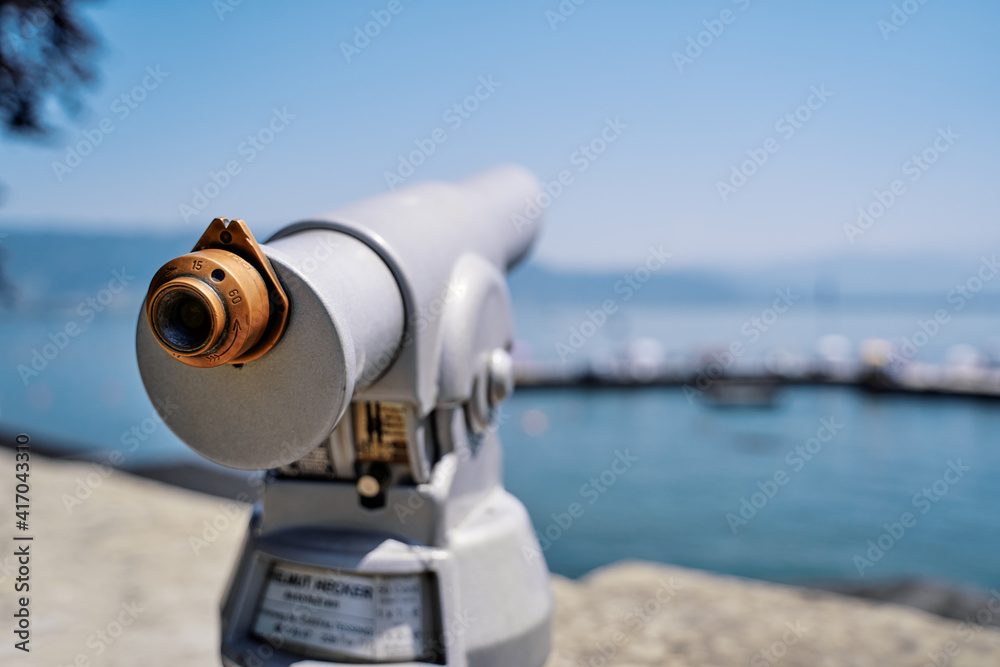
{"x":361,"y":357}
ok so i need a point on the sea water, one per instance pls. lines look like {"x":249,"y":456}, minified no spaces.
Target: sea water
{"x":829,"y":483}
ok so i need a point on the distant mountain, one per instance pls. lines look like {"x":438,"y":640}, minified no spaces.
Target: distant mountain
{"x":537,"y":283}
{"x":57,"y":269}
{"x":877,"y":281}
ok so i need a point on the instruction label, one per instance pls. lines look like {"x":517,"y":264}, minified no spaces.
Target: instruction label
{"x":333,"y":614}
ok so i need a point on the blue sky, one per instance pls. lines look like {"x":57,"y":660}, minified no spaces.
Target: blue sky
{"x":887,"y":95}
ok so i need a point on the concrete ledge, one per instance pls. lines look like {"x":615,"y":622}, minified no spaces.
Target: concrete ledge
{"x":650,"y":614}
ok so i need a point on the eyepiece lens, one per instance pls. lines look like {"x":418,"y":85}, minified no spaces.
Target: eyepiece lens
{"x":183,"y":320}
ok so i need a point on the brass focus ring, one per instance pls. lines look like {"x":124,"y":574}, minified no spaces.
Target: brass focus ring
{"x":208,"y":307}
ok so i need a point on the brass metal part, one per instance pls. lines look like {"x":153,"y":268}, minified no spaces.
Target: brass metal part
{"x":380,"y":432}
{"x":219,"y":304}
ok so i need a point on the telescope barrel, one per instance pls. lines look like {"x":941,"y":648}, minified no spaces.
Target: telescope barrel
{"x":356,"y":282}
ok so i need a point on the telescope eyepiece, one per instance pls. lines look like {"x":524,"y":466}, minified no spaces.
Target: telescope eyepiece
{"x":213,"y":306}
{"x":187,"y":316}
